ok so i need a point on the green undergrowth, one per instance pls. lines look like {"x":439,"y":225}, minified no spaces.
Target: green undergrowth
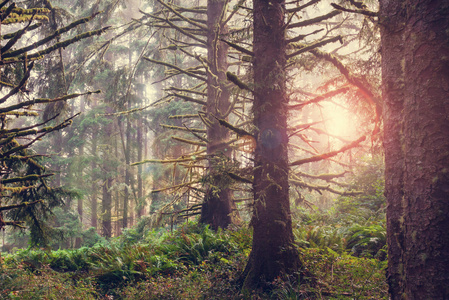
{"x":192,"y":262}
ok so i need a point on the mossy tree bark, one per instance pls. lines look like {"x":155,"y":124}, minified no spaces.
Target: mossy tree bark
{"x":415,"y":67}
{"x":393,"y":77}
{"x":218,"y":209}
{"x":273,"y":254}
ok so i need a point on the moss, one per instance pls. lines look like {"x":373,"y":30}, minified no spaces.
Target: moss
{"x":423,"y":257}
{"x":414,"y":236}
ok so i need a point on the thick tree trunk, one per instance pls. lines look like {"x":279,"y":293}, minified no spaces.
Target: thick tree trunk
{"x":273,"y":254}
{"x":415,"y":68}
{"x":218,"y":209}
{"x":393,"y":82}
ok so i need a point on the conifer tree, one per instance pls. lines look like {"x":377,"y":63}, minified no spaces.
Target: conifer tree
{"x":26,"y":196}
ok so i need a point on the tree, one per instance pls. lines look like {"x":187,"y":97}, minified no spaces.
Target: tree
{"x":26,"y":197}
{"x":273,"y":254}
{"x":218,"y":209}
{"x":415,"y":55}
{"x":188,"y":28}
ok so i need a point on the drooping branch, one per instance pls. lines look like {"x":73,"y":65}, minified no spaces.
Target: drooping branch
{"x":13,"y":130}
{"x":303,"y":36}
{"x":3,"y":3}
{"x":364,"y":89}
{"x":163,"y":63}
{"x":68,"y":42}
{"x":367,"y":91}
{"x":184,"y":129}
{"x":315,"y":20}
{"x":49,"y":38}
{"x":188,"y":20}
{"x":31,"y":177}
{"x":44,"y":100}
{"x":186,"y":116}
{"x":16,"y":37}
{"x":238,"y":48}
{"x":45,"y":131}
{"x":299,"y":8}
{"x":320,"y":98}
{"x":188,"y":99}
{"x":24,"y":204}
{"x":195,"y":134}
{"x":14,"y":224}
{"x":176,"y":27}
{"x":235,"y":80}
{"x":357,"y":11}
{"x":22,"y":83}
{"x":239,"y":178}
{"x":329,"y":154}
{"x":319,"y":188}
{"x":305,"y":48}
{"x":239,"y":131}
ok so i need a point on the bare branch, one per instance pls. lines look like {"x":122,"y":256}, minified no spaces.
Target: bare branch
{"x":329,"y":154}
{"x":357,"y":11}
{"x":315,"y":20}
{"x":305,"y":48}
{"x":25,"y":204}
{"x":175,"y":67}
{"x":320,"y":98}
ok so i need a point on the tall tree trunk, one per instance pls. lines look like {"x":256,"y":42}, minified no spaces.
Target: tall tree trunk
{"x":141,"y":203}
{"x":273,"y":254}
{"x":127,"y":153}
{"x":218,"y":209}
{"x":140,"y":199}
{"x":106,"y":204}
{"x":415,"y":65}
{"x":107,"y":208}
{"x":94,"y":203}
{"x":393,"y":78}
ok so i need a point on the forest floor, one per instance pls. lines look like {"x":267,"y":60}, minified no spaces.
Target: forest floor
{"x":192,"y":262}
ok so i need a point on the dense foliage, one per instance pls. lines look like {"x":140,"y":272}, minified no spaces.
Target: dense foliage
{"x":342,"y":248}
{"x":191,"y":262}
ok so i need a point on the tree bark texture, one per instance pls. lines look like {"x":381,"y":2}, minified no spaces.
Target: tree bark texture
{"x":273,"y":254}
{"x":415,"y":67}
{"x":218,"y":209}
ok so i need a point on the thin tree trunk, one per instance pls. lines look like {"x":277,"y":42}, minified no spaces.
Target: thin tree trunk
{"x":106,"y":209}
{"x":141,"y":201}
{"x":94,"y":203}
{"x":127,"y":174}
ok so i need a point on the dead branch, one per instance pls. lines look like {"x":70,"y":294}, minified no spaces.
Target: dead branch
{"x":315,"y":20}
{"x":329,"y":154}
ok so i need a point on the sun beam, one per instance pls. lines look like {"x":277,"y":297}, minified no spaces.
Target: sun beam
{"x":340,"y":121}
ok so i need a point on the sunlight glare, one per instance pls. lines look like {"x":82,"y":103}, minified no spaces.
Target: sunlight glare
{"x":340,"y":121}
